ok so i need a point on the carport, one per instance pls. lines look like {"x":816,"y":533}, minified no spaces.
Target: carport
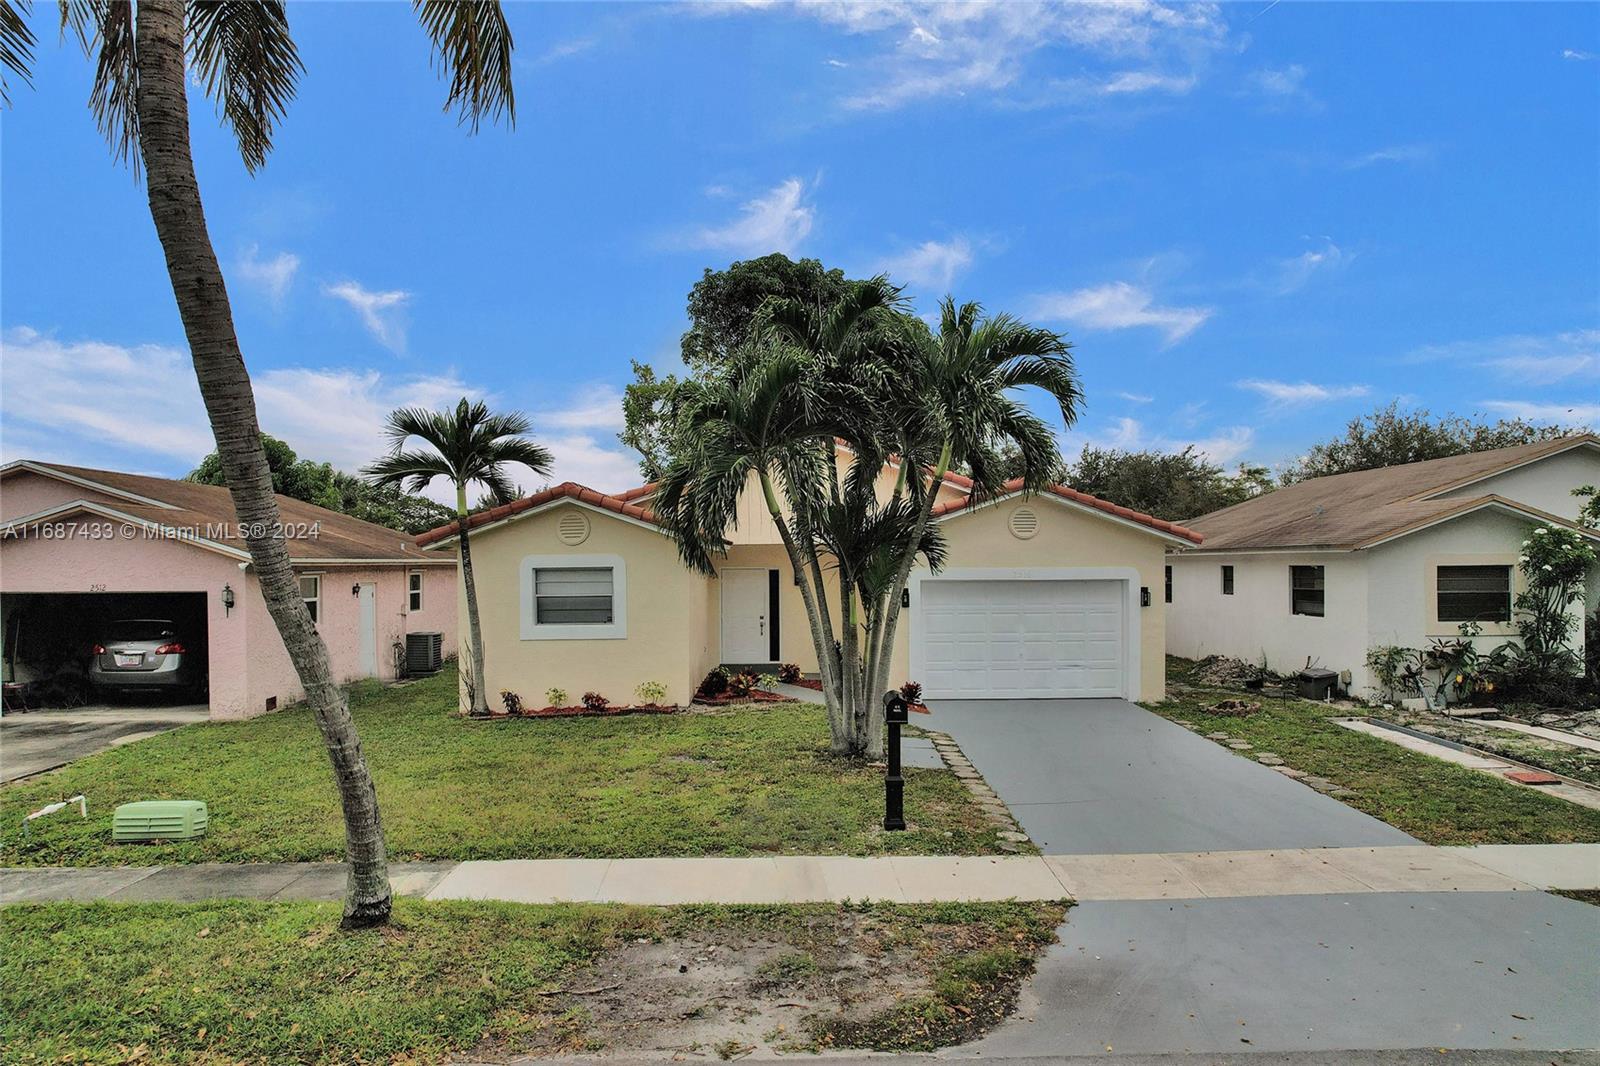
{"x":47,"y":639}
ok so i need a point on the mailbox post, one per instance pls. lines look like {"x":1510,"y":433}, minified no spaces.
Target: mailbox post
{"x":895,"y":715}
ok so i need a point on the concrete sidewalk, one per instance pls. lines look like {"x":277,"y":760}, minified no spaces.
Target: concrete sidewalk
{"x":819,"y":879}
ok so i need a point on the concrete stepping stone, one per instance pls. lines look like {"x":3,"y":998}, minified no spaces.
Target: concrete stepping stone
{"x":1267,"y":758}
{"x":1240,"y":745}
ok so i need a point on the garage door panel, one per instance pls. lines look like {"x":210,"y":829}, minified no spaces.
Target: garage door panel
{"x":1023,"y":639}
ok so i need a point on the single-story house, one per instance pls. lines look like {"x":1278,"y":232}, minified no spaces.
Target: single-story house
{"x":1044,"y":595}
{"x":80,"y":548}
{"x":1322,"y":570}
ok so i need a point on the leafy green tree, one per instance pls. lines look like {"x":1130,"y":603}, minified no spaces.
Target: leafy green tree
{"x":1175,"y":486}
{"x":321,"y":484}
{"x":243,"y":57}
{"x":649,"y":415}
{"x":1389,"y":437}
{"x":724,"y":306}
{"x":859,"y":370}
{"x":466,"y":445}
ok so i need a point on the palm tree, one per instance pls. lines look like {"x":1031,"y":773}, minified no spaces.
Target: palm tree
{"x":469,"y":444}
{"x":246,"y":60}
{"x":861,"y":372}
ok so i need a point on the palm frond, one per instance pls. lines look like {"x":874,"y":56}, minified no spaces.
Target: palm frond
{"x":472,"y":43}
{"x":16,"y":46}
{"x":413,"y":470}
{"x":108,"y":25}
{"x":243,"y":52}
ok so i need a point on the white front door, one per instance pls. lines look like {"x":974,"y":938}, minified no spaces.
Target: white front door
{"x":1022,"y":639}
{"x":369,"y":630}
{"x":746,"y":636}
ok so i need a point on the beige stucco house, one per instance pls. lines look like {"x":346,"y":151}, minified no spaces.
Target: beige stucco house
{"x":1045,"y":595}
{"x":1323,"y":570}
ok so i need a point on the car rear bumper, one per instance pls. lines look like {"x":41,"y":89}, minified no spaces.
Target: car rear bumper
{"x":167,"y":675}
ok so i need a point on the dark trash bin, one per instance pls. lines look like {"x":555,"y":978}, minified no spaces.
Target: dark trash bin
{"x":1317,"y":684}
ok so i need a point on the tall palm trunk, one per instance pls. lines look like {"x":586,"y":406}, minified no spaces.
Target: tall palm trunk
{"x":202,"y":298}
{"x":476,"y":687}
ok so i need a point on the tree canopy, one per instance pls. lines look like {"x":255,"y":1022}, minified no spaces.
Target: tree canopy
{"x":321,"y":484}
{"x":1175,"y":486}
{"x":1389,"y":437}
{"x":724,"y":306}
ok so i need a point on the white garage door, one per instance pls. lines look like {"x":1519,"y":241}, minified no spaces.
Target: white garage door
{"x":1022,"y":639}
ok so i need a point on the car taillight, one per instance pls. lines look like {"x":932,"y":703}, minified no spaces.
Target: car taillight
{"x":99,"y":649}
{"x":170,"y":649}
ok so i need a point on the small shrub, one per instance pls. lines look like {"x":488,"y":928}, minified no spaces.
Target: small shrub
{"x":651,"y":693}
{"x":595,"y":702}
{"x":911,"y":692}
{"x":739,"y":685}
{"x":512,"y":701}
{"x":713,"y":684}
{"x":767,"y":681}
{"x":789,"y":673}
{"x":556,"y":696}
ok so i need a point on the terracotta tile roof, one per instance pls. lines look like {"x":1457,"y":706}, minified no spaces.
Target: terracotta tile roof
{"x":194,"y":506}
{"x":566,"y":490}
{"x":1087,"y":500}
{"x":1346,"y":511}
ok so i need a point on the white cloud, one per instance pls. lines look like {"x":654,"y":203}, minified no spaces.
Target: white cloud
{"x":381,"y":312}
{"x":1223,"y":448}
{"x":566,"y":50}
{"x":272,"y":276}
{"x":1144,"y":81}
{"x":931,"y":264}
{"x":1583,"y":414}
{"x":1135,"y":397}
{"x":775,"y":222}
{"x":1119,"y":305}
{"x":138,"y":407}
{"x":1576,"y":55}
{"x":1533,"y":359}
{"x":1293,"y":273}
{"x":927,"y":50}
{"x":1299,"y":394}
{"x":1398,"y":153}
{"x":1281,"y":88}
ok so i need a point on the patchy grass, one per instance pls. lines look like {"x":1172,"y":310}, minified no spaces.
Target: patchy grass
{"x":737,"y":781}
{"x":1433,"y":800}
{"x":1578,"y":763}
{"x":1582,"y":895}
{"x":248,"y":981}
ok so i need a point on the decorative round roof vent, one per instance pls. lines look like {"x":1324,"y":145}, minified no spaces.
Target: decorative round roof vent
{"x":1024,"y":523}
{"x":573,"y":527}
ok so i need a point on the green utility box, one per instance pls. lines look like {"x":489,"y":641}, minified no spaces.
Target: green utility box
{"x":158,"y":820}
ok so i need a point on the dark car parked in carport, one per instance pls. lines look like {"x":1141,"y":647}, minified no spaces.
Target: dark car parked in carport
{"x":147,"y":655}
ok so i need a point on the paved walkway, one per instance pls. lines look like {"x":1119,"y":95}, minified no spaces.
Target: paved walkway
{"x":900,"y":879}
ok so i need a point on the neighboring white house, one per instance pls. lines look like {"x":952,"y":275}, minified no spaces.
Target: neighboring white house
{"x":1322,"y":570}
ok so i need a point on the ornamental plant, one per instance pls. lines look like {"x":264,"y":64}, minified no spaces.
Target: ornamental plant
{"x":911,"y":692}
{"x":1543,"y":665}
{"x":557,"y":697}
{"x":512,"y":701}
{"x":789,"y":673}
{"x":593,"y":701}
{"x":651,"y":693}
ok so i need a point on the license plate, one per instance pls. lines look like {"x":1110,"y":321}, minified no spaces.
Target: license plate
{"x":129,"y":660}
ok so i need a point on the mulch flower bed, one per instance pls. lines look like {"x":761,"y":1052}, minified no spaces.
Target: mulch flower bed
{"x":581,"y":711}
{"x":809,"y":682}
{"x":756,"y":695}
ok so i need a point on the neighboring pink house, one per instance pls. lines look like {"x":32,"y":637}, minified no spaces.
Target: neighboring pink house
{"x":81,"y":547}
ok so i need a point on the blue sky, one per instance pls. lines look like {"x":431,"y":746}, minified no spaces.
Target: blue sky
{"x":1253,"y":221}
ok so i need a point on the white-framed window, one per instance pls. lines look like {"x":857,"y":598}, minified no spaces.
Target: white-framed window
{"x":311,"y":593}
{"x":414,"y":590}
{"x":574,"y":597}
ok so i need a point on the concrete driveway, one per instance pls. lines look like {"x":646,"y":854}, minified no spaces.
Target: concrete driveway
{"x":36,"y":741}
{"x":1100,"y":777}
{"x":1488,"y":970}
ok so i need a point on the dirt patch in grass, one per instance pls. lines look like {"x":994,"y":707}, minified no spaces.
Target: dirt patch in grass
{"x":250,"y":981}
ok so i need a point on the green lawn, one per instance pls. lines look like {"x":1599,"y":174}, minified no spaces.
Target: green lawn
{"x":743,"y":781}
{"x":277,"y":982}
{"x":1433,"y":800}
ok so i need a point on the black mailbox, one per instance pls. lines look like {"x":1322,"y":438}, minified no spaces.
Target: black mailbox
{"x":896,"y":711}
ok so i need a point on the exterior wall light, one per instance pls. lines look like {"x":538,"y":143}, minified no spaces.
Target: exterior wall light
{"x":227,"y":600}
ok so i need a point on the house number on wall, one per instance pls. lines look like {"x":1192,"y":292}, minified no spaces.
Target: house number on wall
{"x":97,"y":588}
